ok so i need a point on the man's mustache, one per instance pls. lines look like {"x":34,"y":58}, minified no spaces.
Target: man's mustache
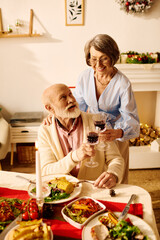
{"x":71,"y":105}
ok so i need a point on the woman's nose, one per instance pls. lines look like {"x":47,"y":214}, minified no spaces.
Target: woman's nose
{"x":98,"y":63}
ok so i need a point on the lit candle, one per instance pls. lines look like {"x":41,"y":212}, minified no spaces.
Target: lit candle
{"x":38,"y":174}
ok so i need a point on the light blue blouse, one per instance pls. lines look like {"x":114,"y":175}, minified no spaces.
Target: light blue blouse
{"x":117,"y":100}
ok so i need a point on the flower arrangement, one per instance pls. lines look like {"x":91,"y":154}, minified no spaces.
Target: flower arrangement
{"x":135,"y":6}
{"x":135,"y":57}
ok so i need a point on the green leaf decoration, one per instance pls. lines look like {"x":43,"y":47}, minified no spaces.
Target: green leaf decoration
{"x":71,"y":12}
{"x":75,"y":10}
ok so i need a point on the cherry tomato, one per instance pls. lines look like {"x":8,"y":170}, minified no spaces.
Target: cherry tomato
{"x":33,"y":204}
{"x":24,"y":204}
{"x":25,"y":216}
{"x":34,"y":215}
{"x":33,"y":209}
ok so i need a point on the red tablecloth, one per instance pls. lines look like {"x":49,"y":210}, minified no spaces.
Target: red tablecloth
{"x":62,"y":228}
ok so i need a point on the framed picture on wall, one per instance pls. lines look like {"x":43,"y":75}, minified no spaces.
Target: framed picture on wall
{"x":74,"y":12}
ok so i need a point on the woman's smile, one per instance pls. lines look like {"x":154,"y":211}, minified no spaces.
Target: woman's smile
{"x":100,"y":69}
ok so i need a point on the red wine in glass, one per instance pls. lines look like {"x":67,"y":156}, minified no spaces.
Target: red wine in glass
{"x":100,"y":124}
{"x":92,"y":138}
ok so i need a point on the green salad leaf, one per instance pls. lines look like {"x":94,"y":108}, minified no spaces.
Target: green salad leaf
{"x":125,"y":231}
{"x":56,"y":195}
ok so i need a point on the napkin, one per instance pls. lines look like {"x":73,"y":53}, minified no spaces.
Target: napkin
{"x":135,"y":209}
{"x":12,"y":193}
{"x":63,"y":228}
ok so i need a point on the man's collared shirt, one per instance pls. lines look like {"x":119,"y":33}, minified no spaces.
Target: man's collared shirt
{"x":71,"y":140}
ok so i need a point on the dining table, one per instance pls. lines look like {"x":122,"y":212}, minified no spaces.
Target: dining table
{"x":13,"y":187}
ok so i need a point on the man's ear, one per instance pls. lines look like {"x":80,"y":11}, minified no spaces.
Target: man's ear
{"x":49,"y":108}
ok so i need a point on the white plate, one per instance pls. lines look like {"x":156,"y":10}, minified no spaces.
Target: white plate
{"x":140,"y":223}
{"x":8,"y":238}
{"x":69,"y":178}
{"x":80,"y":225}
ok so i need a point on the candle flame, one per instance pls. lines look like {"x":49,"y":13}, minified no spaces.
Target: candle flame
{"x":36,"y":145}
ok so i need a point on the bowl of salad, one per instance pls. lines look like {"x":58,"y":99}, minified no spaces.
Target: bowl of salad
{"x":81,"y":211}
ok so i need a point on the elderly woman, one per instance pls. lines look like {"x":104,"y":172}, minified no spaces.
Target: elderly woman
{"x":103,"y":88}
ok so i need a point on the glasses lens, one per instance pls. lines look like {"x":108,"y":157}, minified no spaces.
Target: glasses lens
{"x":101,"y":60}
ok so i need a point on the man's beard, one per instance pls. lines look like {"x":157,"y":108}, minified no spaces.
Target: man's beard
{"x":66,"y":114}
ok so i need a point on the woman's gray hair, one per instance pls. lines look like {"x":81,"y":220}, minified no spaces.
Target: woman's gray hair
{"x":105,"y":44}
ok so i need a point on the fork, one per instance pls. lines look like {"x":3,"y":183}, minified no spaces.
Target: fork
{"x":30,"y":181}
{"x":81,"y":181}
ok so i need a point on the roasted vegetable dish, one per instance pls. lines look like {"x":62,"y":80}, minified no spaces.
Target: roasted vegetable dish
{"x":9,"y":210}
{"x":82,"y":209}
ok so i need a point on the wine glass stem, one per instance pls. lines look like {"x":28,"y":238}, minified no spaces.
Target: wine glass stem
{"x":40,"y":202}
{"x":91,"y":160}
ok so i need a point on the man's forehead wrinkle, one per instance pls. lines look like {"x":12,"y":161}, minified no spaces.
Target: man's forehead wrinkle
{"x":63,"y":91}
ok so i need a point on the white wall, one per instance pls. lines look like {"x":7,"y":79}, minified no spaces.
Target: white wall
{"x":29,"y":65}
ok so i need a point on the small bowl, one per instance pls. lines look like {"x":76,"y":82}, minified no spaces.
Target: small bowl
{"x":76,"y":224}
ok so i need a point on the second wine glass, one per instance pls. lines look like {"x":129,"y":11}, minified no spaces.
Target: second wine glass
{"x":92,"y":139}
{"x":100,"y":124}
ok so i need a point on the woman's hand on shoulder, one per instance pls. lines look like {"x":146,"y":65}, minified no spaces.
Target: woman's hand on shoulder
{"x":48,"y":120}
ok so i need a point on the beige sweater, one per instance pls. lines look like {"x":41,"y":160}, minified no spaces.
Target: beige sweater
{"x":53,"y":160}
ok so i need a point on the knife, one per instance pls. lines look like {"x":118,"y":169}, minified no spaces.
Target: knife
{"x":126,"y":209}
{"x":10,"y":226}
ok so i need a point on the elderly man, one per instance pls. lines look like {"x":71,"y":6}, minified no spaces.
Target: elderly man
{"x":63,"y":144}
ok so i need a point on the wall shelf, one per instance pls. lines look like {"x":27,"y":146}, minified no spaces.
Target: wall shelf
{"x":7,"y":35}
{"x":4,"y":34}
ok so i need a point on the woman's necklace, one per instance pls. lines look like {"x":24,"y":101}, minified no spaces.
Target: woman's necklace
{"x":103,"y":84}
{"x":110,"y":77}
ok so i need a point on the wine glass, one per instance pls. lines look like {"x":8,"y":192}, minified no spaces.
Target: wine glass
{"x":45,"y":190}
{"x":100,"y":124}
{"x":92,"y":139}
